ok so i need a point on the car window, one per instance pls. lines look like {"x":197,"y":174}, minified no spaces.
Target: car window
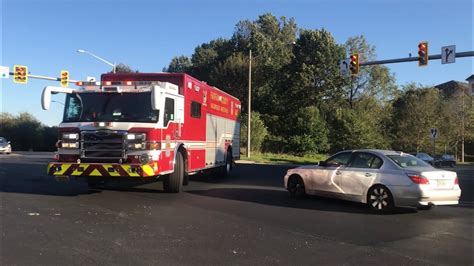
{"x":365,"y":160}
{"x":405,"y":161}
{"x":339,"y":159}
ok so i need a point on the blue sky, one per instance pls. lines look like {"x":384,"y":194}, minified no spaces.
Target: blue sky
{"x":44,"y":35}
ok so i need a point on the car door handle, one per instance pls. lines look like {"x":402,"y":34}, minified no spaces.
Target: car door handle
{"x":338,"y":172}
{"x":368,"y":174}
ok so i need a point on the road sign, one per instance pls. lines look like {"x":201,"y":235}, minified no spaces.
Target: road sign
{"x":4,"y":72}
{"x":434,"y":133}
{"x":448,"y":54}
{"x":344,"y":66}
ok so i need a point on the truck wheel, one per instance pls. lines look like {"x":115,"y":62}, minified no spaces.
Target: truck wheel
{"x":173,"y":182}
{"x":228,"y":164}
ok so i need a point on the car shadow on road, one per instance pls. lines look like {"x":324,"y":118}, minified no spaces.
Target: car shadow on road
{"x":281,"y":198}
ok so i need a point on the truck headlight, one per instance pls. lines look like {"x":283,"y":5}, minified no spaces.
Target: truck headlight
{"x":70,"y":136}
{"x":136,"y":141}
{"x":136,"y":136}
{"x":70,"y":145}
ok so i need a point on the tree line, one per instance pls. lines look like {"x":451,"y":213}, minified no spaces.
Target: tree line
{"x":26,"y":133}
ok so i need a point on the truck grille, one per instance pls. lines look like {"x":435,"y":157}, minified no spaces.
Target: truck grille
{"x":102,"y":145}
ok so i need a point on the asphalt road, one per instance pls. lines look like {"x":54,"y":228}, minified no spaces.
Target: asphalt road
{"x":245,"y":219}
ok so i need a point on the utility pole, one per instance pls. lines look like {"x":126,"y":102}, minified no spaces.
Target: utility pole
{"x":249,"y":103}
{"x":462,"y":130}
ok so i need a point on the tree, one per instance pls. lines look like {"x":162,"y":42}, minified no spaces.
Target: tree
{"x":258,"y":131}
{"x":372,"y":81}
{"x":24,"y":131}
{"x":310,"y":132}
{"x":123,"y":68}
{"x":180,"y":64}
{"x":415,"y":112}
{"x":314,"y":72}
{"x":354,"y":129}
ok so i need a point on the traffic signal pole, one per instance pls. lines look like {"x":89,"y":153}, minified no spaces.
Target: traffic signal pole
{"x":412,"y":59}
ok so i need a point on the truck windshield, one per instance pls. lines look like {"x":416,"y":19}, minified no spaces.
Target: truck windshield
{"x":105,"y":107}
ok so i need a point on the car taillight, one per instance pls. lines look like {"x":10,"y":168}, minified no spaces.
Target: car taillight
{"x":419,"y":179}
{"x":456,"y":181}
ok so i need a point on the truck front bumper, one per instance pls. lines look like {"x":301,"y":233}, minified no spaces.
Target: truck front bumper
{"x":102,"y":169}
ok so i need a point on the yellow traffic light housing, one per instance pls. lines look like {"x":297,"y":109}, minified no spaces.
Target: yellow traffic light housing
{"x":354,"y":64}
{"x":423,"y":54}
{"x":20,"y":74}
{"x":64,"y":78}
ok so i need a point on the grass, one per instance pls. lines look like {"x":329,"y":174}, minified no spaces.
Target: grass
{"x":284,"y":158}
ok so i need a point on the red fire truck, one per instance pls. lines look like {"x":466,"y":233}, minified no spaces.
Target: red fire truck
{"x":145,"y":125}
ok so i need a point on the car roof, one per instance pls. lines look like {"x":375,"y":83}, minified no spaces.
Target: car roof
{"x":379,"y":152}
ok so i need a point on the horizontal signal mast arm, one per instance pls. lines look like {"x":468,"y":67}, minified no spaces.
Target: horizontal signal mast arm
{"x":412,"y":59}
{"x":45,"y":77}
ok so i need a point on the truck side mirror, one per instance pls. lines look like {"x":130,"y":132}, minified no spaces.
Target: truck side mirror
{"x":155,"y":98}
{"x":46,"y":96}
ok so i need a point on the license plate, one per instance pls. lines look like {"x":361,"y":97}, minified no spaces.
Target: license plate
{"x":442,"y":183}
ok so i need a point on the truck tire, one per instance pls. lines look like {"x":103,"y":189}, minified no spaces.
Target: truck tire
{"x":173,"y":182}
{"x":228,"y":164}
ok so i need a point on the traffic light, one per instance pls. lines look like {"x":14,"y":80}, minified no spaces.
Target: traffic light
{"x":20,"y":74}
{"x":64,"y":78}
{"x":423,"y":54}
{"x":354,"y":64}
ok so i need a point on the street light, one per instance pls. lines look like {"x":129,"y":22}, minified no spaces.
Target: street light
{"x":97,"y":57}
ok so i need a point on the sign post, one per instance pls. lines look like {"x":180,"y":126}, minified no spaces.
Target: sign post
{"x":434,"y":135}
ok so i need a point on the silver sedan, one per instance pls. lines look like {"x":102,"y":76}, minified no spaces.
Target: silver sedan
{"x":382,"y":179}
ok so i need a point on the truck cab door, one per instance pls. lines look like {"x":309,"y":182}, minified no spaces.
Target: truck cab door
{"x":174,"y":115}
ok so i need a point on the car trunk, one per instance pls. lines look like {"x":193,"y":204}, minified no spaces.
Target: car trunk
{"x":440,"y":179}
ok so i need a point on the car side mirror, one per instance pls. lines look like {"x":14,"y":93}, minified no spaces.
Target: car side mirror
{"x":323,"y":163}
{"x":46,"y":95}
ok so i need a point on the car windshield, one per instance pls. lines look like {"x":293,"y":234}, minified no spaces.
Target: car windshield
{"x":119,"y":107}
{"x":3,"y":140}
{"x":407,"y":161}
